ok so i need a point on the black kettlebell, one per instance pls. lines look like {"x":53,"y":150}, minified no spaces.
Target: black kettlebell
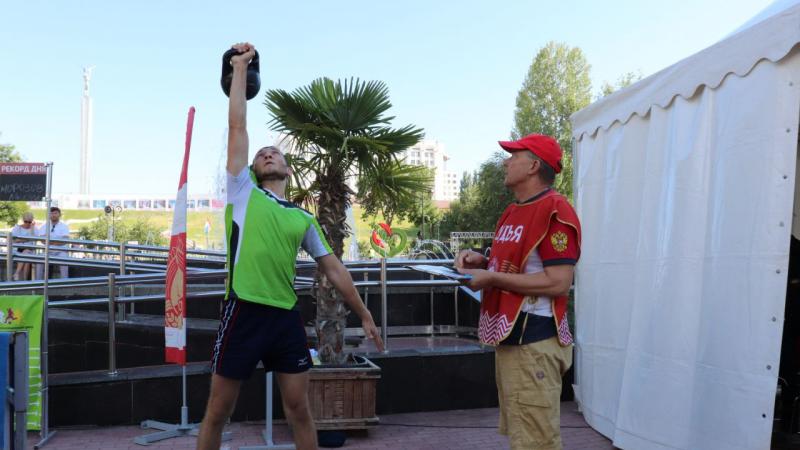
{"x":253,"y":77}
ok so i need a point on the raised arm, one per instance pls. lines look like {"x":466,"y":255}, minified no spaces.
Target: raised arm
{"x":238,"y":142}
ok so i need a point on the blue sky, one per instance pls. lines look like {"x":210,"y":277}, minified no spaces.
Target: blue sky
{"x":452,"y":67}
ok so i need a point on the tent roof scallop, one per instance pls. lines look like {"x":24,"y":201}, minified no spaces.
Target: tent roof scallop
{"x":770,"y":35}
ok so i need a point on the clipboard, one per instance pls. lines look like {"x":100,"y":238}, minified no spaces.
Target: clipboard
{"x":442,"y":271}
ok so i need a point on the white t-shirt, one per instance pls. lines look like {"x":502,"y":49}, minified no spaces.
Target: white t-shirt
{"x":58,"y":230}
{"x":19,"y":230}
{"x":541,"y":306}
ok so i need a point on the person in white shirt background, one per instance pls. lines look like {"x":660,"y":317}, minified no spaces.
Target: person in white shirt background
{"x":24,"y":229}
{"x":58,"y":230}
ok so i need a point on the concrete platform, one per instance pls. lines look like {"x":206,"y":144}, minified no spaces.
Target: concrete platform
{"x":443,"y":430}
{"x":418,"y":374}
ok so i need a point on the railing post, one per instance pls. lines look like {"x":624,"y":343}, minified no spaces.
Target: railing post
{"x":112,"y":326}
{"x":122,"y":259}
{"x":432,"y":323}
{"x":9,"y":257}
{"x":366,"y":290}
{"x":121,"y":307}
{"x":455,"y":307}
{"x":384,"y":308}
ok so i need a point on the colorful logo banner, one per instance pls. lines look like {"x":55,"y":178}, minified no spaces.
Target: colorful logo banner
{"x":387,"y":242}
{"x":24,"y":313}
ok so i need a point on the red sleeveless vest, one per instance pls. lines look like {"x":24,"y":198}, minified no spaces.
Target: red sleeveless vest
{"x":520,"y":230}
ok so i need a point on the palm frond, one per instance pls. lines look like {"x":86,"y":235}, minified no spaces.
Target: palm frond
{"x":341,"y":129}
{"x":397,"y":140}
{"x":391,"y":187}
{"x":352,"y":106}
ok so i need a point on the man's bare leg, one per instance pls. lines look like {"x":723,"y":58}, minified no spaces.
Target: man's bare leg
{"x":294,"y":392}
{"x":221,"y":401}
{"x":19,"y":275}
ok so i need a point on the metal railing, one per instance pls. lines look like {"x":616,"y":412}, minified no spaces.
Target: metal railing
{"x":97,"y":254}
{"x":125,"y":257}
{"x":116,"y":299}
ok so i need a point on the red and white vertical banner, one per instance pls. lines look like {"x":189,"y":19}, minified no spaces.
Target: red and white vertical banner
{"x":175,"y":308}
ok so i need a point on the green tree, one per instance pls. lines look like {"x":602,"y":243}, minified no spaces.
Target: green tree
{"x":492,"y":196}
{"x":142,"y":231}
{"x":364,"y":249}
{"x":624,"y":80}
{"x":424,"y":213}
{"x":139,"y":230}
{"x":557,"y":85}
{"x":340,"y":131}
{"x":10,"y":212}
{"x":482,"y":199}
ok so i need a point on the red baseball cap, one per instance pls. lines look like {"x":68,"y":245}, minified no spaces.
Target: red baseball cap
{"x":540,"y":145}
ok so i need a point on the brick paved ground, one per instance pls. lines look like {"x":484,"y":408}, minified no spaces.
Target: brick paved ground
{"x":457,"y":429}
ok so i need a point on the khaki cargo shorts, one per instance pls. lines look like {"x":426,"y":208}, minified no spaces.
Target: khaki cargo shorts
{"x":529,"y":390}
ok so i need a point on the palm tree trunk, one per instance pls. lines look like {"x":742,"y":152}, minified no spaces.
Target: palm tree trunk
{"x":331,"y":313}
{"x":330,"y":323}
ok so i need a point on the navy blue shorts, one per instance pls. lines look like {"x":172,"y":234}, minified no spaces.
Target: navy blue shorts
{"x":250,"y":332}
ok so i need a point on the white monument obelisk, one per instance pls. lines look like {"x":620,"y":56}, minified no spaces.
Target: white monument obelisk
{"x":86,"y":131}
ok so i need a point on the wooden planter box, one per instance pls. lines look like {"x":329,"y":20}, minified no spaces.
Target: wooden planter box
{"x":343,"y":397}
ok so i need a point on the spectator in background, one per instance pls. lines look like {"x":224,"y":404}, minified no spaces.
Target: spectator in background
{"x":26,"y":229}
{"x":58,"y":230}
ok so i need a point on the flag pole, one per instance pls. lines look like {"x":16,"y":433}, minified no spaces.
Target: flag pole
{"x":175,"y":307}
{"x":45,"y":433}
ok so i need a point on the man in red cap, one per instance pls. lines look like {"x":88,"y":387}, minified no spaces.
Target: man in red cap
{"x":525,"y":283}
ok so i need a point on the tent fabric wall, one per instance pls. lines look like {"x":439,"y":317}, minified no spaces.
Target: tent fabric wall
{"x":771,"y":38}
{"x":686,"y":213}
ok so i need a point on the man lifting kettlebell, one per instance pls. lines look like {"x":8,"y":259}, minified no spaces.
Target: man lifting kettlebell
{"x":259,"y":321}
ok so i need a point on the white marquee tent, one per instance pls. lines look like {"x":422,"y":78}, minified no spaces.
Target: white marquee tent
{"x":684,"y":185}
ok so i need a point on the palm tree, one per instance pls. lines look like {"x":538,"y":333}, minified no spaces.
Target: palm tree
{"x":392,"y":190}
{"x":339,"y":132}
